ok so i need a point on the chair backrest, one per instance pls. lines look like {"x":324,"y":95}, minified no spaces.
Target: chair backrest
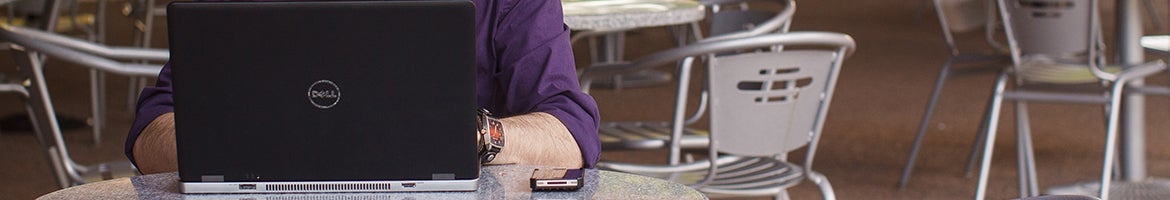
{"x":734,"y":18}
{"x":1050,"y":27}
{"x":769,"y":103}
{"x":963,"y":16}
{"x":1066,"y":30}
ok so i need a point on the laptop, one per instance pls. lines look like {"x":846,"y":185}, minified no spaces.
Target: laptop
{"x":363,"y":96}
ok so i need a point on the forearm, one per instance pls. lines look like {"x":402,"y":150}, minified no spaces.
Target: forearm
{"x":154,"y":150}
{"x":538,"y":139}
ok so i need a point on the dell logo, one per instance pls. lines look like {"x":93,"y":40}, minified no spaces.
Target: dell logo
{"x":324,"y":94}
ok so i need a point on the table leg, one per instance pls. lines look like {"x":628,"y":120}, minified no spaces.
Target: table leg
{"x":1129,"y":52}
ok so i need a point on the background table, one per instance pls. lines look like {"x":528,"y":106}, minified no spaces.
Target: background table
{"x":608,"y":20}
{"x":496,"y":182}
{"x":1160,"y":43}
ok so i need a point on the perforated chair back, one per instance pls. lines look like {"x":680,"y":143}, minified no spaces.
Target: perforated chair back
{"x":769,"y":103}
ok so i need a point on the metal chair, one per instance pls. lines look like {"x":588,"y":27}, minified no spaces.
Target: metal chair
{"x":92,"y":25}
{"x":730,"y":19}
{"x":764,"y":104}
{"x":987,"y":62}
{"x":28,"y":48}
{"x":143,"y":14}
{"x":1054,"y":44}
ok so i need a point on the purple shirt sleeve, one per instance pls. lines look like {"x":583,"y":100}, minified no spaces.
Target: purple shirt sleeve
{"x":524,"y":64}
{"x":535,"y":72}
{"x":153,"y":101}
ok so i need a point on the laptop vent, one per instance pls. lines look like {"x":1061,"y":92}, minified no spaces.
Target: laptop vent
{"x":328,"y":187}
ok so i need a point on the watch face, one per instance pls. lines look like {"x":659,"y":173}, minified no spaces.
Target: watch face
{"x":497,"y":133}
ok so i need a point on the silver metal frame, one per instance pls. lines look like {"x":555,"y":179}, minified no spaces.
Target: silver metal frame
{"x":1111,"y":97}
{"x":29,"y":47}
{"x":787,"y":174}
{"x":674,"y":134}
{"x":946,"y":72}
{"x":54,"y":8}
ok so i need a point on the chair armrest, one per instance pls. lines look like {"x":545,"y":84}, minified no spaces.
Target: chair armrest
{"x":828,"y":39}
{"x":1143,"y":70}
{"x":89,"y":47}
{"x":78,"y":57}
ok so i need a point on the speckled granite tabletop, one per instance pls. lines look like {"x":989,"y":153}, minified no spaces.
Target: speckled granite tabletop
{"x":627,"y":14}
{"x":496,"y":182}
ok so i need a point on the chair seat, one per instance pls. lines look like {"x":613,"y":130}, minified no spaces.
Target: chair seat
{"x":1049,"y":70}
{"x":647,"y":135}
{"x":737,"y":176}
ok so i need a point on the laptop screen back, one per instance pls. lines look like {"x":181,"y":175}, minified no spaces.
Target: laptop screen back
{"x":324,"y":91}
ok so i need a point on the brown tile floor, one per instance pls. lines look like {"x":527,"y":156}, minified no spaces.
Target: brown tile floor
{"x":879,"y":100}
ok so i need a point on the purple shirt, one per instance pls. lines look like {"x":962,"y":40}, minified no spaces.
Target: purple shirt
{"x":524,"y":64}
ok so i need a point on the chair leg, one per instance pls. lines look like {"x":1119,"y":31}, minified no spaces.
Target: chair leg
{"x":980,"y":138}
{"x":1111,"y":138}
{"x":822,"y":184}
{"x":1025,"y":155}
{"x":594,"y":50}
{"x":97,"y":108}
{"x":1153,"y":14}
{"x":54,"y":159}
{"x":921,"y":11}
{"x":696,"y":31}
{"x":100,"y":25}
{"x":132,"y":88}
{"x":992,"y":124}
{"x":1116,"y":165}
{"x":679,"y":114}
{"x":782,"y":195}
{"x":681,"y":34}
{"x":924,"y":124}
{"x":973,"y":156}
{"x":42,"y":107}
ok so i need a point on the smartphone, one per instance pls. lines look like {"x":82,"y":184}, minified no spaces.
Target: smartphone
{"x":555,"y":179}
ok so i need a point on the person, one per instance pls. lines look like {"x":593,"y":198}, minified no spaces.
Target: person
{"x":525,"y":75}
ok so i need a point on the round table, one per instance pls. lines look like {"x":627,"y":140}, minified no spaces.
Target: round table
{"x":628,"y":14}
{"x":496,"y":182}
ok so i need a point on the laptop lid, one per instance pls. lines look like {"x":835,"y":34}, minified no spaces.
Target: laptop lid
{"x":324,"y":92}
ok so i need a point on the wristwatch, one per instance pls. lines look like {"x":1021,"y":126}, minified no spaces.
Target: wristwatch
{"x":491,"y":134}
